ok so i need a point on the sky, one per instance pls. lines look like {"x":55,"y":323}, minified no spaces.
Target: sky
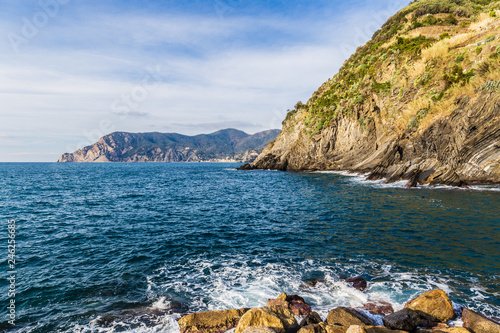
{"x":73,"y":71}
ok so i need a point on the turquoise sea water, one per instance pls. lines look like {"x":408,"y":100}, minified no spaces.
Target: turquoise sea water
{"x":131,"y":247}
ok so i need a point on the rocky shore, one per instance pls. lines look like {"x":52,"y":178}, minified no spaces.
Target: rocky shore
{"x":430,"y":312}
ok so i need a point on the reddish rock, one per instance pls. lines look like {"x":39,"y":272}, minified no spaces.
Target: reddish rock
{"x":379,"y":308}
{"x":295,"y":303}
{"x":357,"y":282}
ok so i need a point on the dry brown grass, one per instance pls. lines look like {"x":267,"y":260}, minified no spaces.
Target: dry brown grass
{"x":416,"y":69}
{"x":403,"y":119}
{"x":482,"y":22}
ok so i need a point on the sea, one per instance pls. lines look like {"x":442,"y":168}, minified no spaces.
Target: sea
{"x":133,"y":247}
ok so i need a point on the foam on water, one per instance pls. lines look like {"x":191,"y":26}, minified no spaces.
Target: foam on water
{"x":232,"y":283}
{"x":362,"y":178}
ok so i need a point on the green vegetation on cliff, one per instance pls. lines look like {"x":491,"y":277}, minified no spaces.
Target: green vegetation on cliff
{"x":418,"y":102}
{"x":429,"y":53}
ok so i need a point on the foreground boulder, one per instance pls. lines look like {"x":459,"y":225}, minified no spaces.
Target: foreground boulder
{"x":434,"y":303}
{"x":322,"y":328}
{"x":311,"y":319}
{"x":444,"y":330}
{"x":278,"y":318}
{"x":210,"y":321}
{"x":478,"y":323}
{"x":293,"y":302}
{"x":346,"y":317}
{"x":408,"y":320}
{"x":258,"y":329}
{"x":371,"y":329}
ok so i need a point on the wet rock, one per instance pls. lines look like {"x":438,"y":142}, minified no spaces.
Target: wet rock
{"x":379,"y":308}
{"x":210,"y":321}
{"x":342,"y":316}
{"x":478,"y":323}
{"x":314,"y":282}
{"x":406,"y":320}
{"x":258,"y":329}
{"x":434,"y":303}
{"x":293,"y":302}
{"x":357,"y":282}
{"x":311,"y":319}
{"x":280,"y":300}
{"x":279,"y":318}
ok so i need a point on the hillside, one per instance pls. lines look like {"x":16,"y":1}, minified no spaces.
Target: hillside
{"x":418,"y":102}
{"x":224,"y":145}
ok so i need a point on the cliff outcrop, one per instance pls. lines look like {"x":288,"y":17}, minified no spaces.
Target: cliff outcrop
{"x":419,"y":102}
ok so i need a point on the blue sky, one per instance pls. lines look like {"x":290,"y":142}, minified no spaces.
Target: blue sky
{"x":74,"y":70}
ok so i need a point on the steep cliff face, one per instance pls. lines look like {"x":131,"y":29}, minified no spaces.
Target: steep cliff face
{"x":419,"y":102}
{"x":463,"y":147}
{"x":224,"y":145}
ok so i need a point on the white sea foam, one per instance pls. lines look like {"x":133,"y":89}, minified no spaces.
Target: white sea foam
{"x":360,"y":178}
{"x":239,"y":282}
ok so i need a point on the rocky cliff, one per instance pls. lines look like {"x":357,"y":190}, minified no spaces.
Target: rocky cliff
{"x":224,"y":145}
{"x":419,"y":102}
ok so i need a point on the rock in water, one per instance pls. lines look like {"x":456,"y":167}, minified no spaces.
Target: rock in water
{"x":210,"y":321}
{"x":279,"y":318}
{"x":379,"y":308}
{"x":434,"y":303}
{"x":311,"y":319}
{"x":293,"y":302}
{"x":357,"y":282}
{"x":479,"y":324}
{"x":342,"y":316}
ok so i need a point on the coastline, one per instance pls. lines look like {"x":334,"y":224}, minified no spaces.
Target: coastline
{"x":429,"y":312}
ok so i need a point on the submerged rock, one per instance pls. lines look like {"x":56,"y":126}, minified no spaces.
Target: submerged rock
{"x":210,"y":321}
{"x":279,"y":318}
{"x":357,"y":282}
{"x":343,"y":316}
{"x":478,"y":323}
{"x":434,"y":303}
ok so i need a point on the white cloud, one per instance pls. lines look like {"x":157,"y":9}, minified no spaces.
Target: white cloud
{"x":65,"y":83}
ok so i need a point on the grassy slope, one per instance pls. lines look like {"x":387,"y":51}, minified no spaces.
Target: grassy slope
{"x":424,"y":59}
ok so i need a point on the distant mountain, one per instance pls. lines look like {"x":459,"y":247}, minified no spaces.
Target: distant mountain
{"x":223,"y":145}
